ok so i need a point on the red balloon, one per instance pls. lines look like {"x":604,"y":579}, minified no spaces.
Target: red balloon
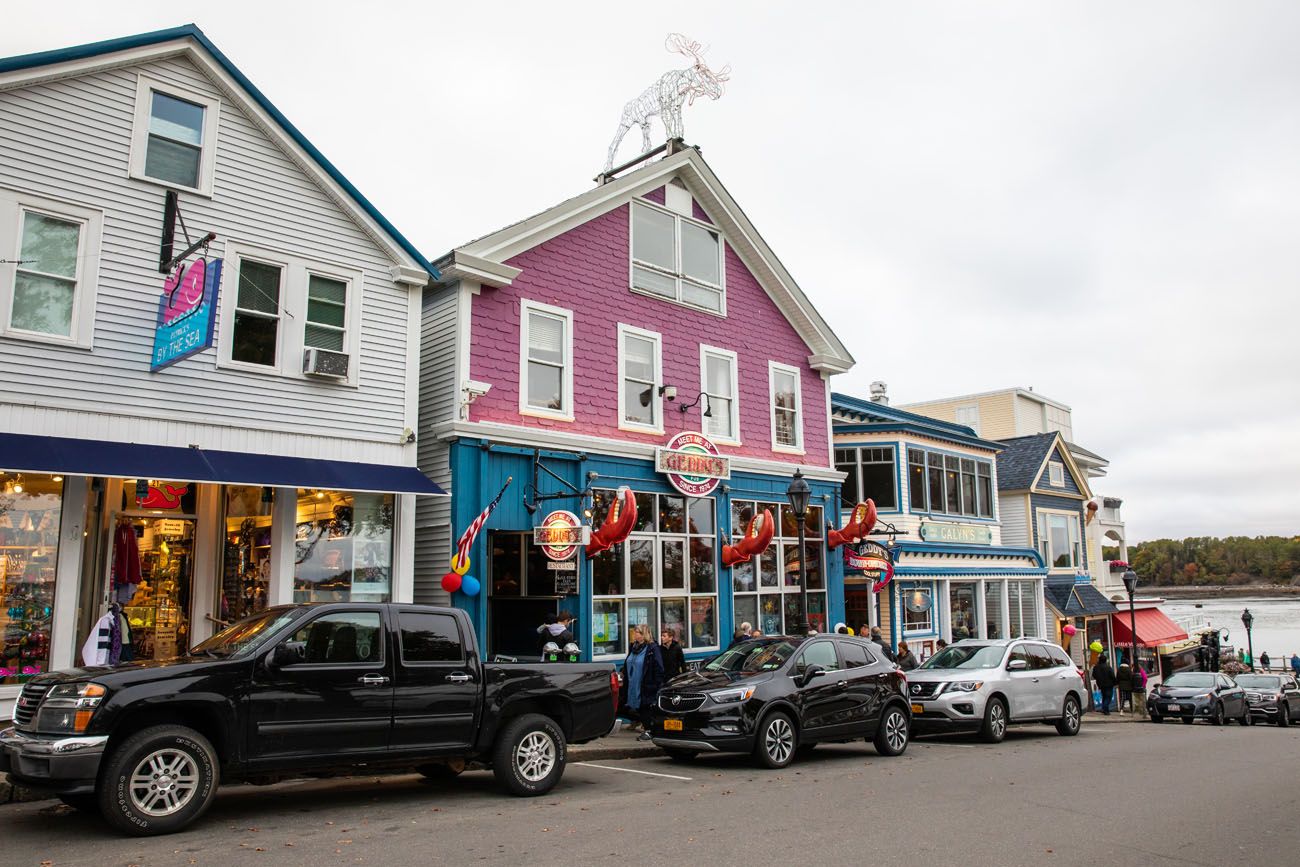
{"x":451,"y":582}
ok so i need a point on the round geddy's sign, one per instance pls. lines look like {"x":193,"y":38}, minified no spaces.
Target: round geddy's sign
{"x":561,"y":534}
{"x":692,"y":464}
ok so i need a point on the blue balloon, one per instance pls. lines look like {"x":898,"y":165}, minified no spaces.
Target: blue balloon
{"x":469,"y":585}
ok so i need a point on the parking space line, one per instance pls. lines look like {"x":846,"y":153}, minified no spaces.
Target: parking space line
{"x":629,"y":771}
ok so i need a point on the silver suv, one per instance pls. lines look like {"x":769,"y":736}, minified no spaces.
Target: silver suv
{"x":986,"y":685}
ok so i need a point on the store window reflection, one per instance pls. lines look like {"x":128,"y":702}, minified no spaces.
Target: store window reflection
{"x":343,"y":547}
{"x":29,"y":547}
{"x":246,"y":565}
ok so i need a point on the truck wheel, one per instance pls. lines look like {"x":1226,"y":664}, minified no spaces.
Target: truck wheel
{"x":1284,"y":715}
{"x":892,"y":733}
{"x":528,"y":758}
{"x":158,"y":780}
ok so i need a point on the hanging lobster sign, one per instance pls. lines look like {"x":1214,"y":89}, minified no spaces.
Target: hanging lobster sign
{"x":862,"y":520}
{"x":873,"y":560}
{"x":758,"y":535}
{"x":618,"y":523}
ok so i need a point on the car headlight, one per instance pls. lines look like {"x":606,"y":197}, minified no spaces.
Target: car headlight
{"x":68,"y":707}
{"x":965,"y":686}
{"x":1202,"y":695}
{"x":732,"y":696}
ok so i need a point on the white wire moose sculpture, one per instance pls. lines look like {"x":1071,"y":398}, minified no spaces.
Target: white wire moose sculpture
{"x":665,"y":96}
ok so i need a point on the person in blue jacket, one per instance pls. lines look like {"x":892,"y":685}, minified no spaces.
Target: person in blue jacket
{"x":643,"y":672}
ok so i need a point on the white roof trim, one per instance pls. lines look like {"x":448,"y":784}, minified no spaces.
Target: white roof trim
{"x":827,"y":354}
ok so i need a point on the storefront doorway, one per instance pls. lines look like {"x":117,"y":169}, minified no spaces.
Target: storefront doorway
{"x":158,"y":611}
{"x":522,"y":594}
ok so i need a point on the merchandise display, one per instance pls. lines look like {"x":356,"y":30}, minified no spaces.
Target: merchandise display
{"x":157,"y":612}
{"x":343,"y":547}
{"x":246,"y":567}
{"x":29,"y":543}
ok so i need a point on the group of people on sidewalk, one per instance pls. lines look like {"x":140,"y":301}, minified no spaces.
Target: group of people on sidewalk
{"x":648,"y":667}
{"x":1129,"y":679}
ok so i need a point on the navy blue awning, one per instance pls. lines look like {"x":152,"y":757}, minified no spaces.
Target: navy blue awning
{"x":77,"y":457}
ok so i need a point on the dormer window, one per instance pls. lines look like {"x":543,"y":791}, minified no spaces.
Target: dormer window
{"x":677,"y":258}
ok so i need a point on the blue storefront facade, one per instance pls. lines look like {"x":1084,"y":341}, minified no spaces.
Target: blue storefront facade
{"x":667,"y":573}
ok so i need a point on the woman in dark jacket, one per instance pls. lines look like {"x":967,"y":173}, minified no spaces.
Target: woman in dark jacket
{"x":643,"y":671}
{"x":1104,"y":676}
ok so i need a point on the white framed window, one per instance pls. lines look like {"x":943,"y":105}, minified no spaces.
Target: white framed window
{"x":677,"y":258}
{"x":174,"y":141}
{"x":50,"y":274}
{"x":719,"y":380}
{"x":1056,"y":474}
{"x":1058,"y":541}
{"x":766,"y":589}
{"x":276,"y":306}
{"x":545,"y":361}
{"x":786,"y":403}
{"x":640,"y":371}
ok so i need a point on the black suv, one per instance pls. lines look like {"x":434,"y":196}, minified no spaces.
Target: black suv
{"x":777,"y":695}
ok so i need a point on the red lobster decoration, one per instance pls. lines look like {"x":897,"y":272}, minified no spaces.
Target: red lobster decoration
{"x":862,"y":520}
{"x":758,"y":535}
{"x":619,"y":521}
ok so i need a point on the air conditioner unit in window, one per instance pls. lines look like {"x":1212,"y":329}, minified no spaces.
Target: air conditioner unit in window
{"x":323,"y":362}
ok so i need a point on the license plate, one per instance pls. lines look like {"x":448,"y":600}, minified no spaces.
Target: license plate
{"x":916,"y":708}
{"x":672,"y":725}
{"x":1175,"y":707}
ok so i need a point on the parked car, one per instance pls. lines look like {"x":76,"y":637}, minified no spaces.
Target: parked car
{"x":1274,"y":697}
{"x":297,"y":690}
{"x":778,"y":695}
{"x":1193,"y":695}
{"x":985,"y":686}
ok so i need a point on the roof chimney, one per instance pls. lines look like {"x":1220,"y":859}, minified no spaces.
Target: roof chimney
{"x":878,"y":395}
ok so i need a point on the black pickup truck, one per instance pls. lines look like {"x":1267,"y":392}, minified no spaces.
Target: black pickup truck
{"x":300,"y":690}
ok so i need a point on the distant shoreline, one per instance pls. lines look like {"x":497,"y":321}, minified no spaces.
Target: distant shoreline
{"x":1235,"y":591}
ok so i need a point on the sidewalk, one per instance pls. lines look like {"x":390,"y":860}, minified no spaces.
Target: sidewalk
{"x":622,"y":744}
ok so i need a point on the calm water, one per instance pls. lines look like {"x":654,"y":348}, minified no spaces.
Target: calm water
{"x":1276,"y":628}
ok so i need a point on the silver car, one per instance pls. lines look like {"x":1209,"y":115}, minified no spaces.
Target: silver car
{"x":985,"y":685}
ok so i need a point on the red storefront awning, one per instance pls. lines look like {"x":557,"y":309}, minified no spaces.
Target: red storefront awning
{"x":1153,"y":628}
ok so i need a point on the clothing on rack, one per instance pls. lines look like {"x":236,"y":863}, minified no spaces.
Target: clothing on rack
{"x":108,"y":637}
{"x":126,"y":555}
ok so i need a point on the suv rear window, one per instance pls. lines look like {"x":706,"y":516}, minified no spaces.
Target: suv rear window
{"x":855,"y":655}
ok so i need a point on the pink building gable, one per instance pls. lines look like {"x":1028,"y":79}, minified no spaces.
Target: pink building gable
{"x":586,"y":270}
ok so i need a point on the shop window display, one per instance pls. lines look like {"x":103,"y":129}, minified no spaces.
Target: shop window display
{"x":246,"y":566}
{"x":767,"y":587}
{"x":151,"y":566}
{"x":343,"y":547}
{"x":664,"y":575}
{"x":29,"y":543}
{"x":961,"y":611}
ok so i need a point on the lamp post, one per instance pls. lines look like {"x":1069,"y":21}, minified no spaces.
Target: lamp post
{"x":1130,"y":585}
{"x":798,"y":494}
{"x":1246,"y":620}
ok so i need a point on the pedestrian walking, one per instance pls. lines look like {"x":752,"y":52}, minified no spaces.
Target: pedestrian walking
{"x":906,"y":658}
{"x":1104,"y":676}
{"x":674,"y":657}
{"x":1264,"y":660}
{"x":1124,"y":680}
{"x":643,"y":672}
{"x":1295,"y":664}
{"x":888,"y":651}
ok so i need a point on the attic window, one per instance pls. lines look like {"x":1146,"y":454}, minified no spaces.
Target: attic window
{"x":174,"y":138}
{"x":1056,"y":474}
{"x":677,"y":258}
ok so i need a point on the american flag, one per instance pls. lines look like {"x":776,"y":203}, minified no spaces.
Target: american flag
{"x":467,"y":538}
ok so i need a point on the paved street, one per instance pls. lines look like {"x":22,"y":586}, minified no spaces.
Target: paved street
{"x":1118,"y":794}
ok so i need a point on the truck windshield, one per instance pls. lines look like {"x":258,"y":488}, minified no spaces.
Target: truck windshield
{"x":247,"y":633}
{"x":752,"y":656}
{"x":1259,"y":681}
{"x":966,"y":656}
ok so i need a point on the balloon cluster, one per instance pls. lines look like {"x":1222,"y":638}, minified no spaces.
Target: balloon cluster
{"x":457,"y":579}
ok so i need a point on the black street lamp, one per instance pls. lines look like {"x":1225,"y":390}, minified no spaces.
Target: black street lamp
{"x":1130,"y":579}
{"x":798,"y":494}
{"x":1247,"y":619}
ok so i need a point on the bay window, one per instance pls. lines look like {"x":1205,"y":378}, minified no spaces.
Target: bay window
{"x":1058,"y":540}
{"x":949,"y":484}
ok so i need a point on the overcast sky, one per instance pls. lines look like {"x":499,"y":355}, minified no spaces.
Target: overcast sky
{"x":1099,"y":200}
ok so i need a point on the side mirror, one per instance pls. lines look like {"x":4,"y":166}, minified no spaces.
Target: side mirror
{"x":282,"y":656}
{"x":812,"y":671}
{"x":1017,"y":665}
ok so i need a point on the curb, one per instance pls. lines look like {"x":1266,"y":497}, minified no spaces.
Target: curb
{"x":598,"y":753}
